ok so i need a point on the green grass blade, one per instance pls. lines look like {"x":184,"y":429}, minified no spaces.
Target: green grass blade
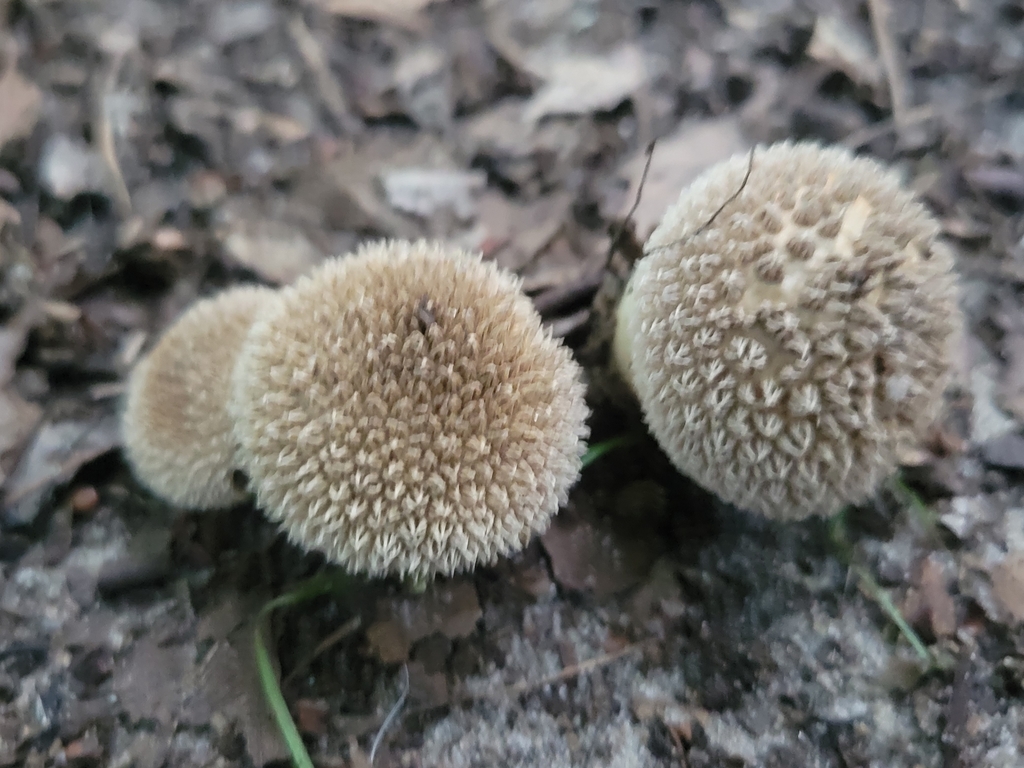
{"x":841,"y":542}
{"x":595,"y":452}
{"x":302,"y":592}
{"x":881,"y":597}
{"x":278,"y":706}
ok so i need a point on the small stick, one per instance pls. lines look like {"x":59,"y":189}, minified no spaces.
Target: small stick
{"x":892,"y":59}
{"x":922,"y":114}
{"x":331,"y":94}
{"x":620,"y":230}
{"x":574,"y":670}
{"x":732,"y":198}
{"x":729,"y":200}
{"x":332,"y":639}
{"x":105,"y":137}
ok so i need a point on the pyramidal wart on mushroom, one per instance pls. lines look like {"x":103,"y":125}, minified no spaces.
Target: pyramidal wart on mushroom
{"x":403,"y":411}
{"x":787,"y":352}
{"x":177,"y":435}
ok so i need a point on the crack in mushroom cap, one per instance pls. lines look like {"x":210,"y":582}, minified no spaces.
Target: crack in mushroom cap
{"x":175,"y":426}
{"x":786,"y":355}
{"x":404,"y":411}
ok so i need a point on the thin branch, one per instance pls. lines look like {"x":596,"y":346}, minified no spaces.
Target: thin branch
{"x":892,"y":60}
{"x":711,"y":219}
{"x":621,"y":229}
{"x":105,"y":137}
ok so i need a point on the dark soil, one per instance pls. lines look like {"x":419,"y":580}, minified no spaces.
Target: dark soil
{"x":155,"y":151}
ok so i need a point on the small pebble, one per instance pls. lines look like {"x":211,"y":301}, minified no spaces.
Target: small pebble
{"x":84,"y":500}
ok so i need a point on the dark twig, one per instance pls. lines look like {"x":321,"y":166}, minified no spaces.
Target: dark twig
{"x":621,"y":229}
{"x":732,"y":198}
{"x":711,"y":219}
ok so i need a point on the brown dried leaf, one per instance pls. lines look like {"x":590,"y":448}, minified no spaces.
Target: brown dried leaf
{"x":840,"y":43}
{"x":1008,"y":584}
{"x":584,"y":558}
{"x":311,"y":716}
{"x":516,"y":233}
{"x":228,"y":682}
{"x":148,"y":681}
{"x":401,"y":13}
{"x":277,"y":251}
{"x":21,"y":101}
{"x":937,"y":600}
{"x":389,"y":641}
{"x":578,"y":84}
{"x":451,"y":608}
{"x":346,"y":188}
{"x":56,"y":453}
{"x":18,"y":419}
{"x":427,"y":689}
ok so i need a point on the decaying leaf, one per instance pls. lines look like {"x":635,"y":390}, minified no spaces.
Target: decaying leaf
{"x":1008,"y":584}
{"x":930,"y":601}
{"x":228,"y":681}
{"x":449,"y":608}
{"x":425,"y":192}
{"x":18,"y":418}
{"x":275,"y":250}
{"x":840,"y":43}
{"x":584,"y":558}
{"x":401,"y":13}
{"x":56,"y":453}
{"x":21,"y":101}
{"x":577,"y":84}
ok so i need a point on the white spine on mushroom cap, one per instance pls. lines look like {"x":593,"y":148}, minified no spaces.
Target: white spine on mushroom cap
{"x":177,"y":434}
{"x":404,"y":411}
{"x":786,"y":354}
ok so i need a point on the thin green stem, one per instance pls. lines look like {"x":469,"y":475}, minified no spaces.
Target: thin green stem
{"x":598,"y":450}
{"x":837,"y":532}
{"x":925,"y":514}
{"x":880,"y":596}
{"x":302,"y":592}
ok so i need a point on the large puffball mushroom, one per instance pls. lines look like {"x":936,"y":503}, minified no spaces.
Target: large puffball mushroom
{"x":177,"y":434}
{"x":403,"y":411}
{"x":787,"y":352}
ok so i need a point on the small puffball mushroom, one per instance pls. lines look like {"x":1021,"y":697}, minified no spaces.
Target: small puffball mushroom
{"x":175,"y":427}
{"x":403,"y":411}
{"x":787,"y":353}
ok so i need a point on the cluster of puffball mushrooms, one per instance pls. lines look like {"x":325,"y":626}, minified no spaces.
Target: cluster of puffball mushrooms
{"x":788,"y":334}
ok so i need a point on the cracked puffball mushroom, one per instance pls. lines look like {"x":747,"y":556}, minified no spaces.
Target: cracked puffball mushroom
{"x":175,"y":428}
{"x":403,"y":411}
{"x":787,"y":350}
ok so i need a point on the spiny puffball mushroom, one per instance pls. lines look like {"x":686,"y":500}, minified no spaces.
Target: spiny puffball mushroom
{"x":786,"y":353}
{"x":403,"y":411}
{"x":175,"y":426}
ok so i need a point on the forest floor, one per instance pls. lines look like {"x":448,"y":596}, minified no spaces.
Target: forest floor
{"x":155,"y":151}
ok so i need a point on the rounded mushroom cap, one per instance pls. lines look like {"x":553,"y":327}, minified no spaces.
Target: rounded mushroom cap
{"x":175,"y":426}
{"x":787,"y":353}
{"x":403,"y":411}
